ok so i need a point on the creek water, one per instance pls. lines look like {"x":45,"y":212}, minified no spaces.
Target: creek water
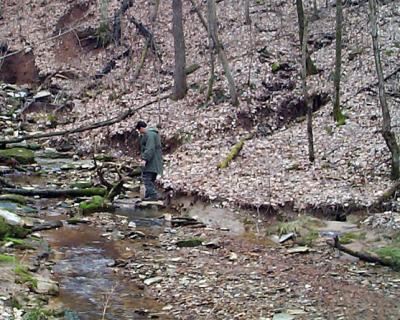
{"x":88,"y":286}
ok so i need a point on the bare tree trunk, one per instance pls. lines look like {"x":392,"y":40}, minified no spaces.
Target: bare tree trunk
{"x":311,"y":68}
{"x":387,"y":133}
{"x":180,"y":86}
{"x":247,"y":19}
{"x":311,"y":155}
{"x":212,"y":25}
{"x":211,"y":47}
{"x":148,"y":43}
{"x":337,"y":112}
{"x":315,"y":9}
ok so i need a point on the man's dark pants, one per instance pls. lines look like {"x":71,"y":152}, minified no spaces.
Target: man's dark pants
{"x":148,"y":179}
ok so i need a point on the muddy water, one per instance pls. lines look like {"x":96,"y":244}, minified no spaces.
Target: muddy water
{"x":87,"y":285}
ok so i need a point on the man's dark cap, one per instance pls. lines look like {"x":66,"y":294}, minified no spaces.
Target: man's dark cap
{"x":141,"y":124}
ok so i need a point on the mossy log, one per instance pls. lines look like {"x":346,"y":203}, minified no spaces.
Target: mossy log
{"x":364,"y":256}
{"x":8,"y":230}
{"x":192,"y":242}
{"x":234,"y":152}
{"x":21,"y":155}
{"x":95,"y":204}
{"x":47,"y":193}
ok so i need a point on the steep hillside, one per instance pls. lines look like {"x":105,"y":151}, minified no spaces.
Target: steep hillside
{"x":56,"y":45}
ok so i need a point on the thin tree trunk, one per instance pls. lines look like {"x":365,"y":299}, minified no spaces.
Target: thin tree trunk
{"x":310,"y":138}
{"x":337,"y":112}
{"x":212,"y":24}
{"x":251,"y":52}
{"x":311,"y":69}
{"x":247,"y":19}
{"x":211,"y":47}
{"x":315,"y":8}
{"x":139,"y":66}
{"x":180,"y":86}
{"x":387,"y":133}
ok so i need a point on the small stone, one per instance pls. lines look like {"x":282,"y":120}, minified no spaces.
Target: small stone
{"x":232,"y":256}
{"x":150,"y":281}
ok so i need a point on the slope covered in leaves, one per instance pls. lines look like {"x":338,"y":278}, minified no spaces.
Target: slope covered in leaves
{"x":352,"y":161}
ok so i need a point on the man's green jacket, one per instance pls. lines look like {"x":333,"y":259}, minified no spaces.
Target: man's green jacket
{"x":150,"y":151}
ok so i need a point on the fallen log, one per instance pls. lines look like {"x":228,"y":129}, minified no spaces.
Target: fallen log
{"x":124,"y":115}
{"x":234,"y":152}
{"x":47,"y":193}
{"x":364,"y":256}
{"x":47,"y":226}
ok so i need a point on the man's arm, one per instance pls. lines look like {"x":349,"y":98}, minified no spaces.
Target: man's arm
{"x":149,"y":149}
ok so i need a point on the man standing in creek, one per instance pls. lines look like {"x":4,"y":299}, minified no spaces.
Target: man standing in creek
{"x":151,"y":155}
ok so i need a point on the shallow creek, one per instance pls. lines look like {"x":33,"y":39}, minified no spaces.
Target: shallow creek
{"x":83,"y":255}
{"x":88,"y":286}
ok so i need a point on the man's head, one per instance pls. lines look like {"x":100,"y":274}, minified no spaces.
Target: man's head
{"x":141,"y":126}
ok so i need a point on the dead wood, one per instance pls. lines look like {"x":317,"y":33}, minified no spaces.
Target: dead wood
{"x":364,"y":256}
{"x":112,"y":63}
{"x":50,"y":193}
{"x":370,"y":87}
{"x":150,"y":43}
{"x":148,"y":35}
{"x":126,"y":4}
{"x":113,"y":189}
{"x":124,"y":115}
{"x":47,"y":226}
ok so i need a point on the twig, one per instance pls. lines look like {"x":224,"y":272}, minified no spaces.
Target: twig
{"x":108,"y":297}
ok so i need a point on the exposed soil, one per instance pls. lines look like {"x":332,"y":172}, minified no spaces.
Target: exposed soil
{"x":19,"y":68}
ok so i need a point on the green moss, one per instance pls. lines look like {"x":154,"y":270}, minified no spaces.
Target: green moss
{"x":4,"y":228}
{"x":232,"y":154}
{"x":104,"y":157}
{"x":7,"y":230}
{"x":88,"y":192}
{"x":81,"y":184}
{"x":103,"y":34}
{"x":192,"y":68}
{"x":13,"y":198}
{"x":355,"y":52}
{"x":309,"y":238}
{"x":340,"y":118}
{"x":311,"y":67}
{"x":192,"y":242}
{"x":75,"y":221}
{"x":329,"y":130}
{"x":22,"y":155}
{"x":349,"y":237}
{"x":19,"y":243}
{"x":4,"y":258}
{"x":275,"y":67}
{"x":303,"y":222}
{"x":92,"y":205}
{"x":25,"y":276}
{"x":52,"y":118}
{"x":36,"y":314}
{"x":389,"y":52}
{"x":391,"y":254}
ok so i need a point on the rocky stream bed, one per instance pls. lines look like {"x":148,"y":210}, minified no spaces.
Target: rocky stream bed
{"x":187,"y":260}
